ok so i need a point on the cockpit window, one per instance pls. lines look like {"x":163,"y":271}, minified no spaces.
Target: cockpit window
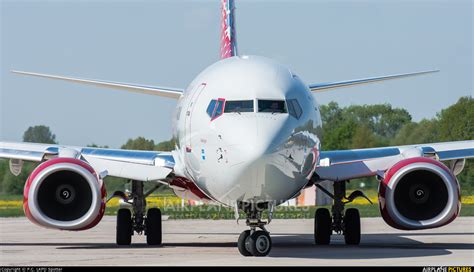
{"x":272,"y":106}
{"x":211,"y":107}
{"x":219,"y":108}
{"x":216,"y":108}
{"x":239,"y":106}
{"x":294,"y":108}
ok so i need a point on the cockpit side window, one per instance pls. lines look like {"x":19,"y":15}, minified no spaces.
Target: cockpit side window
{"x":211,"y":108}
{"x":294,"y":108}
{"x":239,"y":106}
{"x":272,"y":106}
{"x":219,"y":108}
{"x":216,"y":108}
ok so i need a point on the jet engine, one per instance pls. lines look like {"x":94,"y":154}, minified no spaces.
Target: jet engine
{"x":419,"y":193}
{"x":64,"y":193}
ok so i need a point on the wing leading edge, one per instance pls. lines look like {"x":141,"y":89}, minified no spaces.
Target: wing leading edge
{"x":322,"y":87}
{"x":159,"y":91}
{"x":357,"y":163}
{"x":130,"y":164}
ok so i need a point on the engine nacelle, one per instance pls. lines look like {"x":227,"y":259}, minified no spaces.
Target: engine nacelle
{"x":64,"y":193}
{"x":419,"y":193}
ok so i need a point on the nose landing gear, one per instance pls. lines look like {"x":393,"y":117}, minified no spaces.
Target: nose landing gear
{"x":346,"y":223}
{"x":255,"y":242}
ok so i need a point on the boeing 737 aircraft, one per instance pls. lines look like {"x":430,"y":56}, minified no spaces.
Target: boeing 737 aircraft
{"x":248,"y":133}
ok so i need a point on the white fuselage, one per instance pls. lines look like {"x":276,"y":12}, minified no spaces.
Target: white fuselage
{"x":250,"y":155}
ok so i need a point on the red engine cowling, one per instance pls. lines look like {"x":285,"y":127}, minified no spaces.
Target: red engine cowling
{"x":419,"y":193}
{"x":64,"y":193}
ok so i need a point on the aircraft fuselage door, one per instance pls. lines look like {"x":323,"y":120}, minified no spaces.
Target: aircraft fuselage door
{"x":188,"y":115}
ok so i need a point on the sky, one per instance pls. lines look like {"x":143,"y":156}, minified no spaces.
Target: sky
{"x":167,"y":43}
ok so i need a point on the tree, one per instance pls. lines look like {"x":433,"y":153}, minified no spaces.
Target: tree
{"x":97,"y":146}
{"x":457,"y":121}
{"x":337,"y":128}
{"x":14,"y":184}
{"x":142,"y":143}
{"x":384,"y":120}
{"x":364,"y":137}
{"x":39,"y":134}
{"x":166,"y":145}
{"x":331,"y":113}
{"x":3,"y":170}
{"x":139,"y":143}
{"x":378,"y":122}
{"x":426,"y":131}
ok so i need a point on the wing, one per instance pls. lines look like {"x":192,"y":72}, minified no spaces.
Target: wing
{"x":130,"y":164}
{"x":357,"y":163}
{"x":322,"y":87}
{"x":159,"y":91}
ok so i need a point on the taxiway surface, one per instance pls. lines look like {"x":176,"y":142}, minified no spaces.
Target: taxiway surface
{"x":213,"y":242}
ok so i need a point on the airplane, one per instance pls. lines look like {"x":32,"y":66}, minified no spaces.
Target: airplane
{"x":248,"y":133}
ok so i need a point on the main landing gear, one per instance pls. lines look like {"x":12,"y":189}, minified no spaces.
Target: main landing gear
{"x":255,"y":242}
{"x":346,"y":223}
{"x":134,"y":220}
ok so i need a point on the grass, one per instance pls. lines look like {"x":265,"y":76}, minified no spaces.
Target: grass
{"x":11,"y":197}
{"x":11,"y":206}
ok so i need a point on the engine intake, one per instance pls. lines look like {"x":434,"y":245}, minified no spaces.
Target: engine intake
{"x":419,"y":193}
{"x":64,"y":193}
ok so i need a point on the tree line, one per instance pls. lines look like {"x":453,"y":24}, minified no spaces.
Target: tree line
{"x":356,"y":126}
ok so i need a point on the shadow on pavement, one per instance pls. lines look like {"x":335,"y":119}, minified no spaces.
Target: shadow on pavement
{"x":373,"y":246}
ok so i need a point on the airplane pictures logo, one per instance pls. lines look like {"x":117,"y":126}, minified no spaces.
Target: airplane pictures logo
{"x":447,"y":269}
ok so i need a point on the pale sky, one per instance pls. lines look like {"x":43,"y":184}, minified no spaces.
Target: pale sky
{"x":167,"y":43}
